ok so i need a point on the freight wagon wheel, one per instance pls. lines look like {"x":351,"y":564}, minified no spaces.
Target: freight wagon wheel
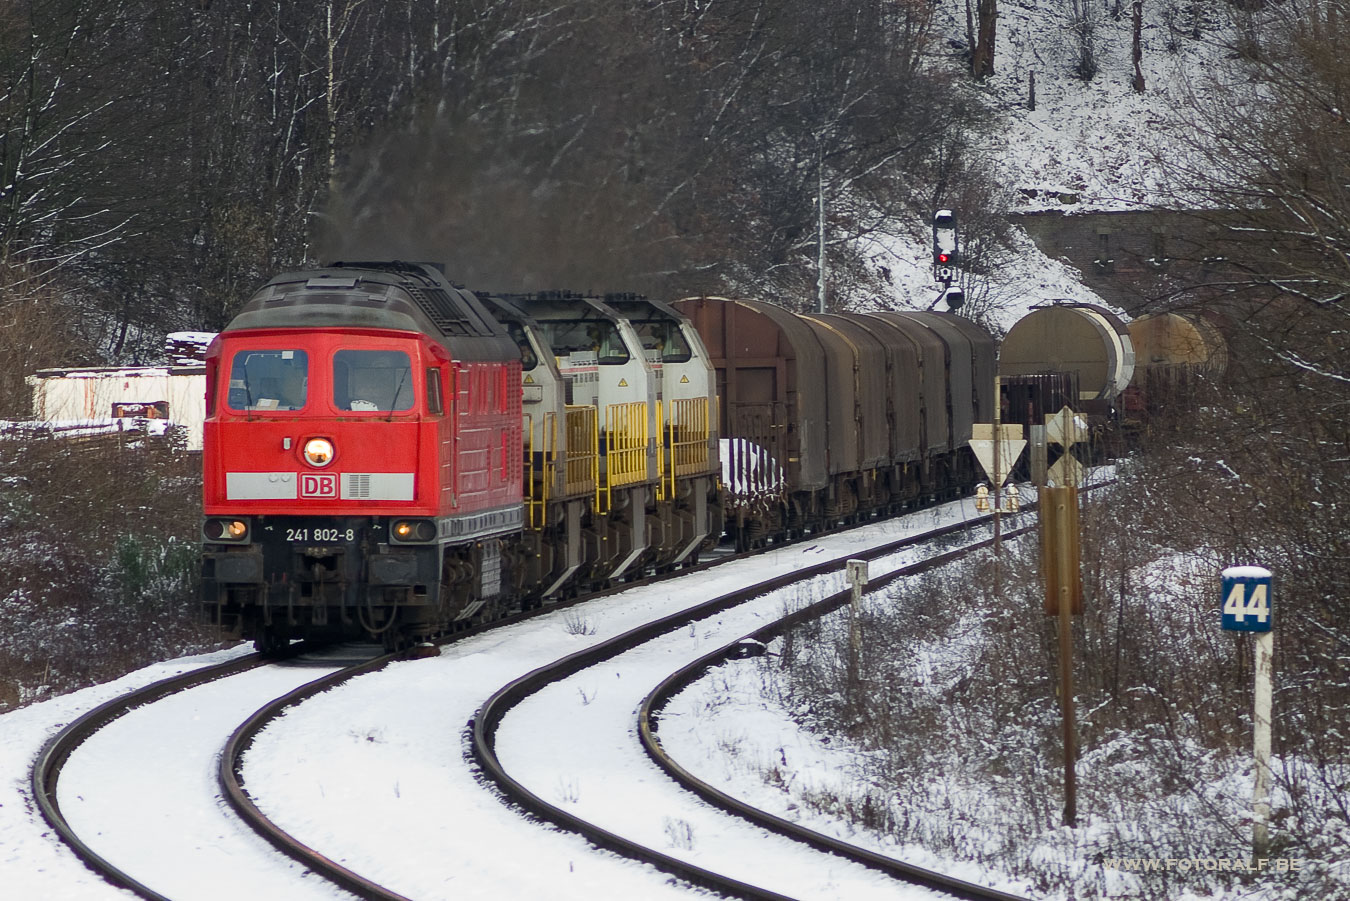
{"x":271,"y":640}
{"x":394,"y":640}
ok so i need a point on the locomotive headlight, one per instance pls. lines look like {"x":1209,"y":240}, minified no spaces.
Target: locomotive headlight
{"x":318,"y":452}
{"x":225,"y":530}
{"x":414,"y":530}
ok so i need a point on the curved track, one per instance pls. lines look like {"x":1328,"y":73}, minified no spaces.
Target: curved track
{"x":486,"y":724}
{"x":47,"y":769}
{"x":649,"y":719}
{"x":481,"y":739}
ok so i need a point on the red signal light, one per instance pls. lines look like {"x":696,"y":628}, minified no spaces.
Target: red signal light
{"x":944,"y":257}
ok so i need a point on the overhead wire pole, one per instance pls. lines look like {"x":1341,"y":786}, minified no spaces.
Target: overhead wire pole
{"x":820,"y":228}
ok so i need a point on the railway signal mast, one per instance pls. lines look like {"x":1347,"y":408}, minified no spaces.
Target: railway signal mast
{"x":945,"y":260}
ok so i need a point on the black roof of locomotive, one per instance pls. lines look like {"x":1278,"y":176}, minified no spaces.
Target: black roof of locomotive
{"x":412,"y":297}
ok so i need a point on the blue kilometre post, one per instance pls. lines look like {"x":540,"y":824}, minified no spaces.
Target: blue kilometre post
{"x":1248,"y":606}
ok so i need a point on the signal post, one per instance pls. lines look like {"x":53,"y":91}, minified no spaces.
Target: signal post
{"x":1061,"y":571}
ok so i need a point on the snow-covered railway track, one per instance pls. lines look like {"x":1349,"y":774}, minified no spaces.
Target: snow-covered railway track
{"x":377,"y":773}
{"x":648,"y":720}
{"x":128,"y":786}
{"x":617,"y":806}
{"x":341,"y":830}
{"x":47,"y":770}
{"x":126,"y":851}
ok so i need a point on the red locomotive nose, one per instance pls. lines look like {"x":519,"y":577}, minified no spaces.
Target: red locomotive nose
{"x":291,"y":402}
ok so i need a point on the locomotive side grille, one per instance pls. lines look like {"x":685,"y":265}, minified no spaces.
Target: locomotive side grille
{"x":439,"y":309}
{"x":358,"y":485}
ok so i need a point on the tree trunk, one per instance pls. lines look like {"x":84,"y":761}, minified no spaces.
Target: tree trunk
{"x":970,"y":29}
{"x":982,"y":60}
{"x":1138,"y":49}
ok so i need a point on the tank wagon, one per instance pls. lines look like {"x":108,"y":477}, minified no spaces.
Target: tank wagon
{"x":1087,"y":340}
{"x":829,"y":418}
{"x":1173,"y":351}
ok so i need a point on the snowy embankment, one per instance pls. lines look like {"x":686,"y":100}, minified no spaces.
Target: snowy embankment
{"x":990,"y":795}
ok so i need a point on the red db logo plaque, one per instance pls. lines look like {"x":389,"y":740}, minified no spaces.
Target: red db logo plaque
{"x":314,"y":484}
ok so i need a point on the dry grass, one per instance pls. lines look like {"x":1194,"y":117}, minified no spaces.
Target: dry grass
{"x":98,"y":572}
{"x":961,"y":727}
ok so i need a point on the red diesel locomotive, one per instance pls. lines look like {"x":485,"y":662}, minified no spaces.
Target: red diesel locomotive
{"x":362,"y":456}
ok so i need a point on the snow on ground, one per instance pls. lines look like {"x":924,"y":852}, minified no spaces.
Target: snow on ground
{"x":1088,"y":146}
{"x":607,"y":778}
{"x":33,"y":862}
{"x":733,"y":729}
{"x":388,"y":748}
{"x":1092,"y":145}
{"x":142,"y":793}
{"x":727,"y":731}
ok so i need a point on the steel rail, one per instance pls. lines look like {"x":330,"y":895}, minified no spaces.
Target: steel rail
{"x":483,"y":727}
{"x":652,"y":705}
{"x":46,"y":770}
{"x":230,"y":769}
{"x":230,"y":775}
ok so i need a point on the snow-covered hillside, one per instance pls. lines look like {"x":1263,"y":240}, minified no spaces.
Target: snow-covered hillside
{"x":1093,"y":144}
{"x":1088,"y":146}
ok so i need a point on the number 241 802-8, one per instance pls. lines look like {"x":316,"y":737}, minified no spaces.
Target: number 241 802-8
{"x":320,"y":534}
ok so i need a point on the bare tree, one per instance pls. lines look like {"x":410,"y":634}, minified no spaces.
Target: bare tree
{"x":986,"y":31}
{"x":1269,"y":163}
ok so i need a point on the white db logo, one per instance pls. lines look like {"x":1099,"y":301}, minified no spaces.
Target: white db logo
{"x":319,"y":484}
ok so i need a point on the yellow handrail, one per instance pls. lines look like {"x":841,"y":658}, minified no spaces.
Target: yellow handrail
{"x":583,"y":451}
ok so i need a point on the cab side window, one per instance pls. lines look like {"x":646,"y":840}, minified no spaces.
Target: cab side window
{"x":528,"y":360}
{"x":435,"y":400}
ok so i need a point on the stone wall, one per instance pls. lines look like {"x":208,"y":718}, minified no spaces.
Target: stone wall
{"x":1131,"y":259}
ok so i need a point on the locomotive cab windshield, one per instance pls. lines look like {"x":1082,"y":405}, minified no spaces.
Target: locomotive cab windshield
{"x":598,"y":336}
{"x":663,"y":340}
{"x":372,"y":381}
{"x":269,"y":380}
